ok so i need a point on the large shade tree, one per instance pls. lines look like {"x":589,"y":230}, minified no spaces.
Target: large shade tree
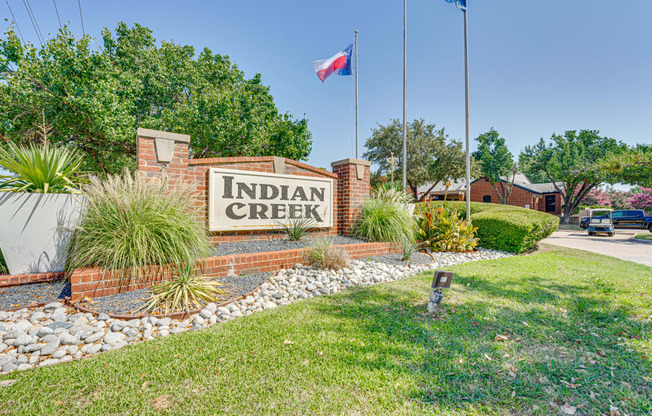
{"x":95,"y":95}
{"x":496,"y":164}
{"x":432,"y":157}
{"x":572,"y":162}
{"x":633,"y":167}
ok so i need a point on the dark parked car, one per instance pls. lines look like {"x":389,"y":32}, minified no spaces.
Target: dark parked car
{"x":625,"y":218}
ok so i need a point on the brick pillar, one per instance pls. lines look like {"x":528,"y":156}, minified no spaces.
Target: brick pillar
{"x":353,"y":188}
{"x":162,"y":153}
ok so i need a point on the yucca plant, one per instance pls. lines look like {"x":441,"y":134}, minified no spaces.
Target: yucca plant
{"x":409,"y":248}
{"x":3,"y":265}
{"x":185,"y":292}
{"x":297,"y":228}
{"x":133,"y":223}
{"x":40,"y":169}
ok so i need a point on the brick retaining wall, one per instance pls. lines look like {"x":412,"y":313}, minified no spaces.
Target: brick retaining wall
{"x":92,"y":283}
{"x":7,"y":280}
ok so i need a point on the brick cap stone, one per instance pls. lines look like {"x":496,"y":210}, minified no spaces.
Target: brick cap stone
{"x":350,"y":161}
{"x":158,"y":134}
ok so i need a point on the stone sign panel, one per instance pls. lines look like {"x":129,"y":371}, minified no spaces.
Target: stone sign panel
{"x":241,"y":200}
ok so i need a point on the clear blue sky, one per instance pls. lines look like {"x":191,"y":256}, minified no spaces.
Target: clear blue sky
{"x":537,"y":67}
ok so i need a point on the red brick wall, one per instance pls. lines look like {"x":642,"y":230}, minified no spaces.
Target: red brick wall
{"x":348,"y":191}
{"x":92,"y":283}
{"x":7,"y":280}
{"x":519,"y":197}
{"x":352,"y":190}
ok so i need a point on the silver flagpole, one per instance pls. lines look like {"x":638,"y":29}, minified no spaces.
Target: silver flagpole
{"x":404,"y":93}
{"x":357,"y":130}
{"x":466,"y":85}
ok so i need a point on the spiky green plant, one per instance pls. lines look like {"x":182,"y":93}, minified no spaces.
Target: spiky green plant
{"x":297,"y":228}
{"x":392,"y":193}
{"x":40,"y":169}
{"x":3,"y":265}
{"x":408,"y":247}
{"x":185,"y":292}
{"x":134,"y":223}
{"x":384,"y":221}
{"x":324,"y":255}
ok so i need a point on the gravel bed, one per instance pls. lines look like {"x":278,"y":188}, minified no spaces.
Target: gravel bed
{"x":256,"y":246}
{"x":32,"y":294}
{"x":397,"y":259}
{"x":131,"y":303}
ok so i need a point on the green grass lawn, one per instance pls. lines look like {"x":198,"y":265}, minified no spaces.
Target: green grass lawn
{"x":574,"y":327}
{"x":646,"y":236}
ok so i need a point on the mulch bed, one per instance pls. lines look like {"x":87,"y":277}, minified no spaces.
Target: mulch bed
{"x":33,"y":294}
{"x":132,"y":303}
{"x":258,"y":246}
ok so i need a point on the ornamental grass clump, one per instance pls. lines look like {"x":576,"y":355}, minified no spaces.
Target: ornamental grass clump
{"x":324,"y":255}
{"x":136,"y":225}
{"x":186,"y":291}
{"x":442,"y":229}
{"x":384,"y":217}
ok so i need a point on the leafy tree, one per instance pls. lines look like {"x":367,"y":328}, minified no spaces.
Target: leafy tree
{"x":572,"y":162}
{"x":496,"y":163}
{"x":94,"y":98}
{"x":431,"y":156}
{"x":632,"y":167}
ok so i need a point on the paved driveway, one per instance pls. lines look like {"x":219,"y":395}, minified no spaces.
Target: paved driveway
{"x":622,"y":245}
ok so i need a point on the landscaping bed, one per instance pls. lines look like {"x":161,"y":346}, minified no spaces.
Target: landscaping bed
{"x":133,"y":302}
{"x":543,"y":334}
{"x":279,"y":244}
{"x":31,"y":294}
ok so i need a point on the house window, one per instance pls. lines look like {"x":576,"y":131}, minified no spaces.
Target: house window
{"x":550,"y":203}
{"x":486,"y":199}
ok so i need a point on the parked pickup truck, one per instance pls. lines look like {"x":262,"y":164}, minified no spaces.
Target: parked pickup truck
{"x":625,"y":218}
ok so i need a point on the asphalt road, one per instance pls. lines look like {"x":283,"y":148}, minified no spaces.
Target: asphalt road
{"x":622,"y":245}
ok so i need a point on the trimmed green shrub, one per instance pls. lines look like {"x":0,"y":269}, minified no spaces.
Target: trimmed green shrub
{"x":380,"y":220}
{"x":500,"y":227}
{"x":133,"y":222}
{"x":515,"y":231}
{"x":442,"y":229}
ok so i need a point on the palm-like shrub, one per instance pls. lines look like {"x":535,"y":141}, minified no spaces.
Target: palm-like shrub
{"x":441,"y":229}
{"x":392,"y":193}
{"x":186,"y":291}
{"x":297,"y":228}
{"x":324,"y":255}
{"x":3,"y":265}
{"x":40,"y":169}
{"x":384,"y":221}
{"x":133,"y":223}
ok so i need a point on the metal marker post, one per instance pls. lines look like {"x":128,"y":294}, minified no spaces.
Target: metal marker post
{"x":357,"y":131}
{"x":468,"y":145}
{"x":404,"y":94}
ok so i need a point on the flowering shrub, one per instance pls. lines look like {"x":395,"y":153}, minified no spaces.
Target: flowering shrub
{"x":642,"y":200}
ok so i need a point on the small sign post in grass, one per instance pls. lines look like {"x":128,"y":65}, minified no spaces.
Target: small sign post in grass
{"x":441,"y":280}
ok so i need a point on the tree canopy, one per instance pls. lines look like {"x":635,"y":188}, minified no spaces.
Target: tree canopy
{"x":632,"y":167}
{"x":496,"y":163}
{"x":94,"y":98}
{"x":432,"y":157}
{"x":573,"y":162}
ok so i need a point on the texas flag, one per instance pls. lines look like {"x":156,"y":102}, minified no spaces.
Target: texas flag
{"x":339,"y":64}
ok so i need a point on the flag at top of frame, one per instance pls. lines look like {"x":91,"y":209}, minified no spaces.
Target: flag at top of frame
{"x":460,"y":4}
